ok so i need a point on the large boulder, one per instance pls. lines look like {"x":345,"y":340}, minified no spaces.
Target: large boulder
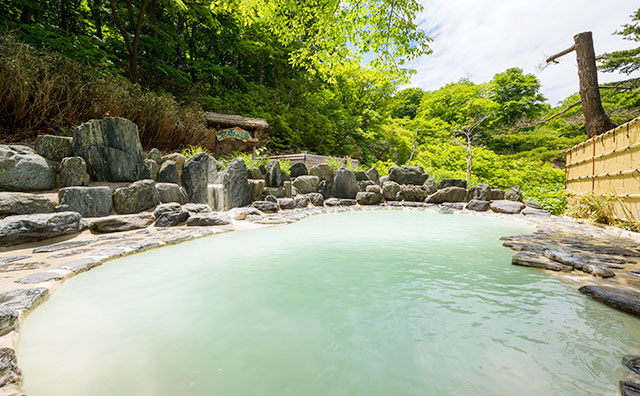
{"x":447,"y":194}
{"x":257,"y":188}
{"x":374,"y":188}
{"x":513,"y":194}
{"x":169,"y":215}
{"x":298,"y":169}
{"x":120,"y":223}
{"x":301,"y":201}
{"x":444,"y":183}
{"x":73,"y":172}
{"x":287,"y":203}
{"x":363,"y":184}
{"x":208,"y":219}
{"x":151,"y":169}
{"x":21,"y":169}
{"x":195,"y":177}
{"x":171,"y":192}
{"x":54,"y":148}
{"x":478,"y":205}
{"x":361,"y":176}
{"x":136,"y":197}
{"x":168,"y":172}
{"x":88,"y":201}
{"x":373,"y":175}
{"x":111,"y":147}
{"x":496,"y":194}
{"x":430,"y":185}
{"x":407,"y":175}
{"x":480,"y":192}
{"x":368,"y":198}
{"x":507,"y":206}
{"x":36,"y":227}
{"x":306,"y":184}
{"x":16,"y":203}
{"x":316,"y":199}
{"x":178,"y":158}
{"x":324,"y":190}
{"x":390,"y":190}
{"x":266,"y":206}
{"x":344,"y":184}
{"x":323,"y":171}
{"x":274,"y":174}
{"x":413,"y":193}
{"x":237,"y":191}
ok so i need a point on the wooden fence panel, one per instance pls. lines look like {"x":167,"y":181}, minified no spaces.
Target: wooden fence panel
{"x":608,"y":164}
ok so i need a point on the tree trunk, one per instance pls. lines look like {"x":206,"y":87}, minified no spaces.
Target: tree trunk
{"x":97,"y":18}
{"x":26,"y":14}
{"x":181,"y":52}
{"x":596,"y":120}
{"x":62,"y":10}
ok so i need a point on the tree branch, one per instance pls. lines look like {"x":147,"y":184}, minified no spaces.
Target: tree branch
{"x":116,"y":20}
{"x":571,"y":106}
{"x":553,"y":58}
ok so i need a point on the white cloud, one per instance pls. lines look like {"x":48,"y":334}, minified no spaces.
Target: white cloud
{"x":479,"y":38}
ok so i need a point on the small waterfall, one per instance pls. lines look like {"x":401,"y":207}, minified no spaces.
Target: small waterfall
{"x":216,"y":197}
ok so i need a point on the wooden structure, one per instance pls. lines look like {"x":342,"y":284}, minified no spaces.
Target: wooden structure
{"x":311,"y":159}
{"x":608,"y":164}
{"x":235,"y":133}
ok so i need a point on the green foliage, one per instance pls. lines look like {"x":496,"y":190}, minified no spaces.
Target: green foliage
{"x":191,"y":151}
{"x":335,"y":163}
{"x":552,"y":197}
{"x":517,"y":94}
{"x":600,"y":209}
{"x":285,"y":166}
{"x":405,"y":103}
{"x":625,"y":61}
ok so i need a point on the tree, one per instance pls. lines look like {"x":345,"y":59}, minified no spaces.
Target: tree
{"x":517,"y":94}
{"x":406,"y":102}
{"x":625,"y":61}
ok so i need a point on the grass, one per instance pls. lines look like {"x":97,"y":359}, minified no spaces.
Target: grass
{"x":191,"y":151}
{"x":601,"y":209}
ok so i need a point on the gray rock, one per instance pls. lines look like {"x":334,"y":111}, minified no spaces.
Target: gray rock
{"x":208,"y":219}
{"x":301,"y":201}
{"x":8,"y":322}
{"x":274,"y":174}
{"x":361,"y":176}
{"x":242,"y":213}
{"x":480,"y":192}
{"x":168,"y":172}
{"x":323,"y":171}
{"x":271,"y":198}
{"x":306,"y":184}
{"x":578,"y":262}
{"x":363,"y":184}
{"x":324,"y":190}
{"x":24,"y":299}
{"x":171,"y":192}
{"x":253,"y":174}
{"x":298,"y":169}
{"x":413,"y":193}
{"x":344,"y":184}
{"x":447,"y":194}
{"x":136,"y":197}
{"x":430,"y":185}
{"x":332,"y":202}
{"x":88,"y":201}
{"x":21,"y":169}
{"x":624,"y":300}
{"x":535,"y":212}
{"x":347,"y":202}
{"x":444,"y":183}
{"x":197,"y":208}
{"x":373,"y":175}
{"x":39,"y":277}
{"x":287,"y":203}
{"x":390,"y":190}
{"x":155,"y":155}
{"x":287,"y":185}
{"x":368,"y":198}
{"x":277,"y":192}
{"x":535,"y":260}
{"x":15,"y":203}
{"x":195,"y":177}
{"x":11,"y":259}
{"x":119,"y":223}
{"x":266,"y":206}
{"x":80,"y":265}
{"x":453,"y":205}
{"x":505,"y":206}
{"x":73,"y":172}
{"x":54,"y":148}
{"x":213,"y":171}
{"x":111,"y":147}
{"x":179,"y":159}
{"x":151,"y":169}
{"x":513,"y":194}
{"x":10,"y":373}
{"x":316,"y":199}
{"x":237,"y":191}
{"x":478,"y":206}
{"x":257,"y":188}
{"x":629,"y":388}
{"x":384,"y":179}
{"x":496,"y":194}
{"x":374,"y":188}
{"x":35,"y":227}
{"x":407,"y":175}
{"x":61,"y":246}
{"x":632,"y":362}
{"x":23,"y":266}
{"x":169,"y":215}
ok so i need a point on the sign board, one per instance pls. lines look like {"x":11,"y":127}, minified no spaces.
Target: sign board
{"x":235,"y":133}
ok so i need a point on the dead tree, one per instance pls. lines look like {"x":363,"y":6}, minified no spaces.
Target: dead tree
{"x":596,"y":120}
{"x":465,"y":137}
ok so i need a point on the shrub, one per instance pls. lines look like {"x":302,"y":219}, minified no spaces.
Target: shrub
{"x":601,"y":209}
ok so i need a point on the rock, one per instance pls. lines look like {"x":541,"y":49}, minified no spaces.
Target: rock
{"x":61,"y":246}
{"x":287,"y":203}
{"x":344,"y":184}
{"x":298,"y":169}
{"x":373,"y":175}
{"x":237,"y":191}
{"x":324,"y":190}
{"x":8,"y":323}
{"x":88,"y":201}
{"x":195,"y":177}
{"x":632,"y":362}
{"x":430,"y":185}
{"x":628,"y":388}
{"x":374,"y":188}
{"x":15,"y":203}
{"x":171,"y":192}
{"x":257,"y":188}
{"x":168,"y":172}
{"x":478,"y":206}
{"x":197,"y":208}
{"x":480,"y":192}
{"x":11,"y":259}
{"x":390,"y":190}
{"x":254,"y":173}
{"x":266,"y":206}
{"x":407,"y":175}
{"x":323,"y":171}
{"x":368,"y":198}
{"x":151,"y":169}
{"x":361,"y":176}
{"x":444,"y":183}
{"x":271,"y":198}
{"x":213,"y":171}
{"x":624,"y":300}
{"x":274,"y":174}
{"x":363,"y":184}
{"x":277,"y":192}
{"x":316,"y":199}
{"x":23,"y":299}
{"x":384,"y":179}
{"x":73,"y":172}
{"x":332,"y":202}
{"x":36,"y":227}
{"x":136,"y":197}
{"x":288,"y":188}
{"x":453,"y":205}
{"x":578,"y":262}
{"x":347,"y":202}
{"x":54,"y":148}
{"x":496,"y":195}
{"x":242,"y":213}
{"x":306,"y":184}
{"x":179,"y":159}
{"x":80,"y":265}
{"x":447,"y":194}
{"x":533,"y":204}
{"x":111,"y":147}
{"x":301,"y":201}
{"x":505,"y":206}
{"x":21,"y":169}
{"x":119,"y":223}
{"x":413,"y":193}
{"x":535,"y":212}
{"x":155,"y":155}
{"x":39,"y":277}
{"x":169,"y":215}
{"x":513,"y":194}
{"x":208,"y":219}
{"x":10,"y":373}
{"x":529,"y":259}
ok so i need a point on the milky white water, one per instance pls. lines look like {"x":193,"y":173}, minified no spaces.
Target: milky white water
{"x":357,"y":303}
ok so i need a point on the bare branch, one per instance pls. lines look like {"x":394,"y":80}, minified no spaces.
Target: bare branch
{"x":571,"y":106}
{"x":553,"y":58}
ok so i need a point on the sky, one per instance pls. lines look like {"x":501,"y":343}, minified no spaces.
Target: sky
{"x":479,"y":38}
